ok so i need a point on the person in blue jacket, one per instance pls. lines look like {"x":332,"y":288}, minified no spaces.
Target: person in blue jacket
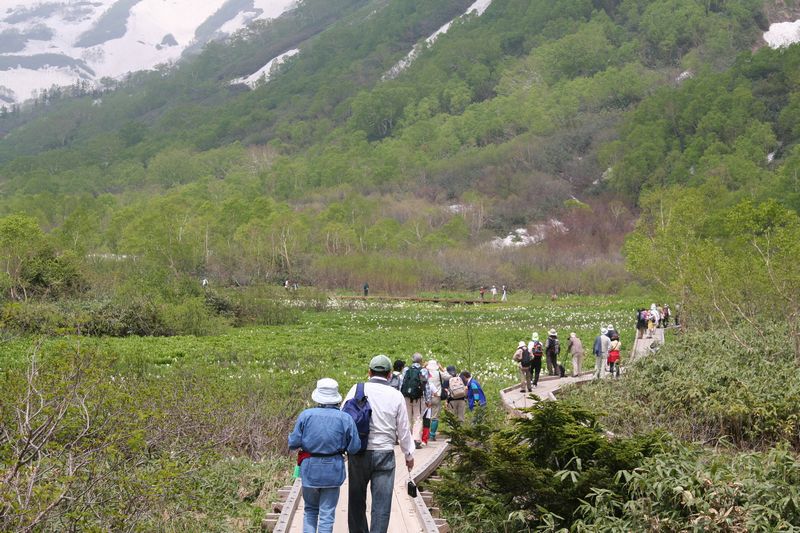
{"x":324,"y":433}
{"x":474,"y":390}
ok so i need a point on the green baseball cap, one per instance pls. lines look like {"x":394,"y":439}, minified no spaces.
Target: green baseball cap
{"x":380,"y":363}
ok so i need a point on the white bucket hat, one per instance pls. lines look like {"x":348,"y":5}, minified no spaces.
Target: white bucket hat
{"x":521,"y":344}
{"x":552,"y":333}
{"x":327,"y":392}
{"x":535,"y":336}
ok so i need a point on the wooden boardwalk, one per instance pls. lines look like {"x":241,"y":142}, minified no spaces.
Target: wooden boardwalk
{"x":514,"y":400}
{"x":455,"y":301}
{"x":409,"y":515}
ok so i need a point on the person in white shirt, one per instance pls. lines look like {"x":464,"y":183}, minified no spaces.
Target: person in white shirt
{"x":376,"y":466}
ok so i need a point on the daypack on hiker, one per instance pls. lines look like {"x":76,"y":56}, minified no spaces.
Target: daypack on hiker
{"x":443,"y":392}
{"x":358,"y":407}
{"x":553,"y":346}
{"x":458,"y":391}
{"x":526,"y":360}
{"x":413,"y":386}
{"x":537,"y":349}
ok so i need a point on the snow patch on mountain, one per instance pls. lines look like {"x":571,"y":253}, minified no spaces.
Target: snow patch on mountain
{"x":110,"y":37}
{"x":782,"y":34}
{"x":263,"y":74}
{"x":479,"y":7}
{"x":521,"y":237}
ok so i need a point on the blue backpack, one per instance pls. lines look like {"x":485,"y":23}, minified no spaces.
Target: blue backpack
{"x":358,"y":407}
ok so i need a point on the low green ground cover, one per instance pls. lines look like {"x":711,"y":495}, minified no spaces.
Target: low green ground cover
{"x":202,"y":420}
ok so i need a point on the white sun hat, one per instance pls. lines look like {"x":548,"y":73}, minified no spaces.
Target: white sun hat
{"x":327,"y":392}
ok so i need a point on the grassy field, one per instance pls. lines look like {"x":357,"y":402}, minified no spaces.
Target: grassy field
{"x":204,"y":419}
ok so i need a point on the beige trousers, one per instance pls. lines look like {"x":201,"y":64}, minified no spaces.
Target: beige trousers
{"x":415,"y":409}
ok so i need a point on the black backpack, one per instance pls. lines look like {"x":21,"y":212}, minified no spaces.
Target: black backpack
{"x":526,"y":358}
{"x":413,"y":386}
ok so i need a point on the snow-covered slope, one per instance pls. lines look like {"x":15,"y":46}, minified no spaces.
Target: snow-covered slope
{"x":46,"y":42}
{"x":783,"y":34}
{"x":478,"y":7}
{"x":263,"y":74}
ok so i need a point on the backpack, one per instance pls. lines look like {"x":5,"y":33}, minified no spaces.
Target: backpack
{"x":562,"y":372}
{"x":394,"y":381}
{"x":413,"y":387}
{"x":537,"y":349}
{"x":359,"y":408}
{"x":553,"y":346}
{"x":458,"y":391}
{"x":442,"y":388}
{"x":526,"y":361}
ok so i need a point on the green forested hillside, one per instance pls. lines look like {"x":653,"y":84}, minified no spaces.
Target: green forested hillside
{"x":331,"y":174}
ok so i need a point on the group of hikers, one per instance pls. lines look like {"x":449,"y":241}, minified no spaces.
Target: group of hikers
{"x":528,"y":356}
{"x":398,"y":404}
{"x":493,"y":291}
{"x":401,"y":404}
{"x":647,"y":320}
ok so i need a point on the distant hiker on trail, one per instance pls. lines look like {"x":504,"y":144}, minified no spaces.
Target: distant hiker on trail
{"x":437,"y":377}
{"x":575,"y":349}
{"x":396,"y":381}
{"x":504,"y":297}
{"x":474,"y":391}
{"x":600,"y":351}
{"x":417,"y":395}
{"x":286,"y":284}
{"x":205,"y":282}
{"x":660,"y":316}
{"x":641,"y":323}
{"x":482,"y":292}
{"x":652,"y":321}
{"x":537,"y":351}
{"x":388,"y":424}
{"x":366,"y":289}
{"x":456,"y":394}
{"x":494,"y":292}
{"x":523,"y":357}
{"x":614,"y":348}
{"x":667,"y":314}
{"x":323,"y":433}
{"x":552,"y":349}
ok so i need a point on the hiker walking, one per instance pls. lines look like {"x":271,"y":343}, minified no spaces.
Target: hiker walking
{"x":614,"y":348}
{"x":474,"y":391}
{"x":417,"y":395}
{"x":482,"y":292}
{"x":396,"y":379}
{"x":652,"y":321}
{"x":376,"y":466}
{"x":575,"y":349}
{"x":523,"y":357}
{"x":611,"y":332}
{"x":641,"y":322}
{"x":504,"y":297}
{"x":494,"y":292}
{"x":323,"y":433}
{"x":437,"y":378}
{"x":366,"y":289}
{"x":552,"y":350}
{"x":537,"y":351}
{"x":600,"y":351}
{"x":667,"y":314}
{"x":456,"y":394}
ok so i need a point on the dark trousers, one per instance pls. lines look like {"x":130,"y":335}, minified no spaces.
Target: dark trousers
{"x":376,"y":469}
{"x":552,"y":364}
{"x":537,"y":369}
